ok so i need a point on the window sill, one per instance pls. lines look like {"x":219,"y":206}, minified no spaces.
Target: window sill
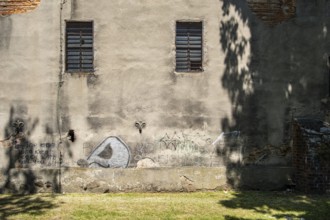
{"x":80,"y":73}
{"x":192,"y":73}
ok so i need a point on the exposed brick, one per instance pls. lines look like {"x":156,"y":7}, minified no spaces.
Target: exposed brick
{"x":311,"y":175}
{"x":8,"y":7}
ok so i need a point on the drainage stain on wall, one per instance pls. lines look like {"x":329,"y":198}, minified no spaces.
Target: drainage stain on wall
{"x":5,"y":33}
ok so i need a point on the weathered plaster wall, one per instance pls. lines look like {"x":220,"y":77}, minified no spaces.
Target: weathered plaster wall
{"x":255,"y":77}
{"x":135,"y":79}
{"x":29,"y":67}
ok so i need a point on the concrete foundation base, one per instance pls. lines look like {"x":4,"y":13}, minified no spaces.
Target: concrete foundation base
{"x":188,"y":179}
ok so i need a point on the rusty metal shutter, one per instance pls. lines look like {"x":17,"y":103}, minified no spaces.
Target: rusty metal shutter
{"x":189,"y":49}
{"x":79,"y":46}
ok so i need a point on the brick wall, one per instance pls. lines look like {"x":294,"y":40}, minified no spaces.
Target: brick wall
{"x":8,"y":7}
{"x":310,"y":144}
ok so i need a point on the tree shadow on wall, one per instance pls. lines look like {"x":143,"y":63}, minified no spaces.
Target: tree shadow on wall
{"x":270,"y":74}
{"x":279,"y":205}
{"x":21,"y":153}
{"x":236,"y":77}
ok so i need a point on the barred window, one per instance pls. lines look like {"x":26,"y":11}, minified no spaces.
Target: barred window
{"x":189,"y":49}
{"x":79,"y":46}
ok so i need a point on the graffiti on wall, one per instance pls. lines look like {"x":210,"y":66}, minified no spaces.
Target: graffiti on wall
{"x":175,"y":149}
{"x":112,"y":152}
{"x":21,"y":152}
{"x":179,"y":140}
{"x":170,"y":150}
{"x":190,"y":149}
{"x":31,"y":154}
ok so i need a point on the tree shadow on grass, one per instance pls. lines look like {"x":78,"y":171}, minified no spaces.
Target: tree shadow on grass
{"x":280,"y":205}
{"x":236,"y":218}
{"x":13,"y":205}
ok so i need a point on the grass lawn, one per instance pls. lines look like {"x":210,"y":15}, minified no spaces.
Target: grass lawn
{"x":199,"y":205}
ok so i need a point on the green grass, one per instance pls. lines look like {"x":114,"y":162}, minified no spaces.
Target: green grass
{"x":199,"y":205}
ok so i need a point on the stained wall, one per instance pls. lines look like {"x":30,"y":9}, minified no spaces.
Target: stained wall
{"x":256,"y":76}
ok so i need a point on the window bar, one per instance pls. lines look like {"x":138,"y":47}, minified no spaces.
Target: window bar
{"x":80,"y":51}
{"x":188,"y":50}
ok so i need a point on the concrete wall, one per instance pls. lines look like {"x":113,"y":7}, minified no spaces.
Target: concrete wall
{"x":184,"y":179}
{"x":255,"y":77}
{"x":135,"y":79}
{"x":29,"y":67}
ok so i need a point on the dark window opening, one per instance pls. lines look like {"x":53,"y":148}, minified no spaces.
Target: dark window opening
{"x":79,"y":46}
{"x":189,"y":49}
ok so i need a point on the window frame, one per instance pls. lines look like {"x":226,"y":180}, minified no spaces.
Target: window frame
{"x":201,"y":50}
{"x":80,"y":70}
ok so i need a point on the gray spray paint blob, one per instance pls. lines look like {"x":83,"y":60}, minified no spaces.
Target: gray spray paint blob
{"x":112,"y":152}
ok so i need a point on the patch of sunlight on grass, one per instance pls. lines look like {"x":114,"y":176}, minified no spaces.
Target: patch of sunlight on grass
{"x":94,"y":213}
